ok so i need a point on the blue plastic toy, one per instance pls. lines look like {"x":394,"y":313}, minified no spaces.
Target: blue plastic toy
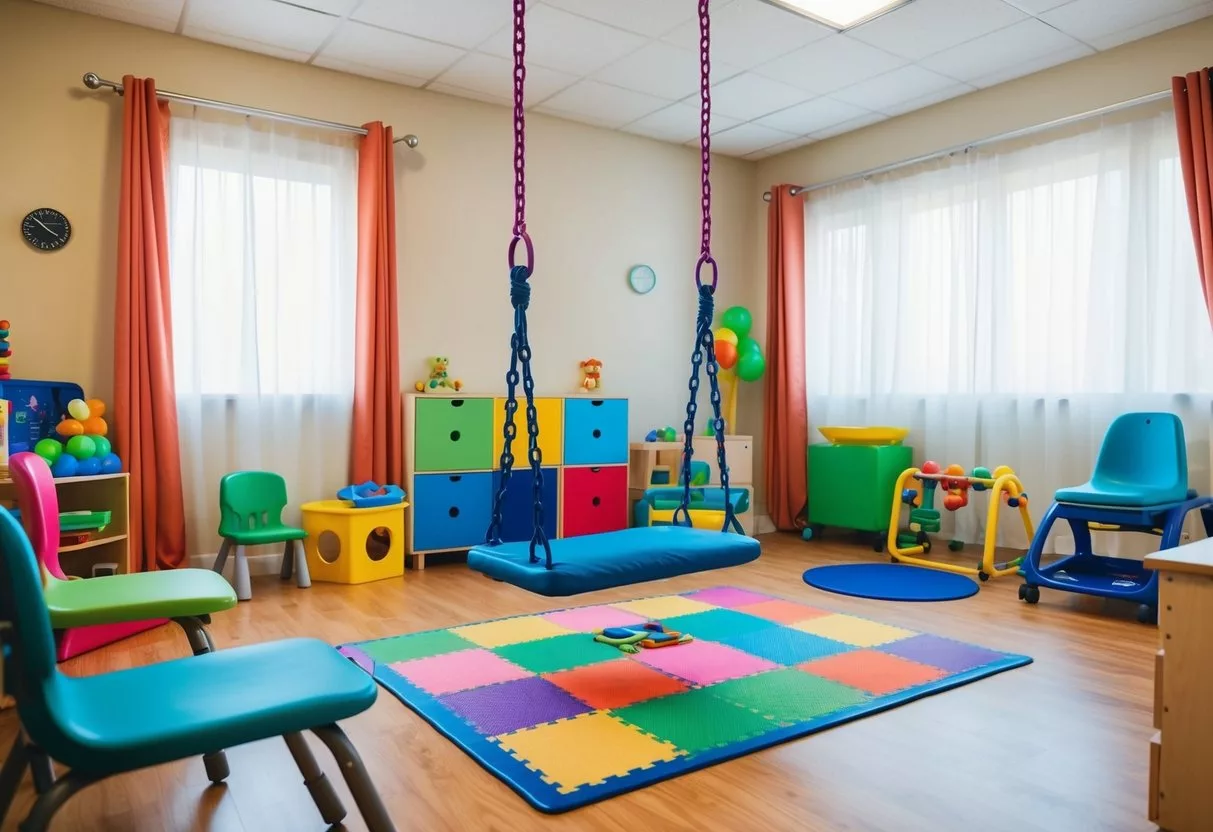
{"x":372,"y":495}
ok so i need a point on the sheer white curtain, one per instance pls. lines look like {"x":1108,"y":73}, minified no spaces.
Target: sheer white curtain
{"x":1006,"y":306}
{"x":263,"y":244}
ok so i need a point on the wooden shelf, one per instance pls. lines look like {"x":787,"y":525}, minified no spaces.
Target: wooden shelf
{"x":89,"y":544}
{"x":71,"y":480}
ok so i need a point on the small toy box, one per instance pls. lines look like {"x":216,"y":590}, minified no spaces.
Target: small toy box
{"x":35,"y":409}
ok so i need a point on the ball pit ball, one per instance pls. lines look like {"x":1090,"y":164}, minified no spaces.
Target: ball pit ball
{"x":95,"y":426}
{"x":111,"y":464}
{"x":49,"y":449}
{"x":103,"y":446}
{"x":66,"y":466}
{"x":78,"y":409}
{"x":89,"y":467}
{"x":96,"y":407}
{"x":70,"y":427}
{"x":81,"y":447}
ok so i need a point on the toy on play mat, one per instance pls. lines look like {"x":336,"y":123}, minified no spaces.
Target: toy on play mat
{"x":650,"y":635}
{"x":372,"y":495}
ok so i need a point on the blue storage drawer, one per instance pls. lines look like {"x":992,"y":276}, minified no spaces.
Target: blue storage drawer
{"x":37,"y":409}
{"x":450,"y":511}
{"x":518,"y":507}
{"x":595,"y":431}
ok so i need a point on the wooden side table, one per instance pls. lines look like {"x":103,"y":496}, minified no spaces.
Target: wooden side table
{"x":1180,"y":796}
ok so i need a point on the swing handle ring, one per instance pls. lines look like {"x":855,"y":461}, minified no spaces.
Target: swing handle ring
{"x":706,"y":259}
{"x":523,"y":237}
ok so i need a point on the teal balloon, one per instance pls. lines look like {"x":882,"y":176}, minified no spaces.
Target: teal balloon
{"x":81,"y":447}
{"x":102,"y":446}
{"x":738,"y":319}
{"x":748,"y":346}
{"x":49,"y":449}
{"x":751,"y":366}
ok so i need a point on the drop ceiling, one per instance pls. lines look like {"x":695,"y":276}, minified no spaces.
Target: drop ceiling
{"x":780,"y":81}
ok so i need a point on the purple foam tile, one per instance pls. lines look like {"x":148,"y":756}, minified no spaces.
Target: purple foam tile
{"x":512,"y":706}
{"x":943,"y":653}
{"x":358,"y":657}
{"x":727,"y":596}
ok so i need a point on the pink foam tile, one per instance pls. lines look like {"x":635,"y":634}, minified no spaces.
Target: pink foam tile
{"x":461,"y":670}
{"x":704,"y":662}
{"x":589,"y":619}
{"x":728,"y":596}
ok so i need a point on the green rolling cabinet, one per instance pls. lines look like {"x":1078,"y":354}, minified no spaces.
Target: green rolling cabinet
{"x":851,"y":487}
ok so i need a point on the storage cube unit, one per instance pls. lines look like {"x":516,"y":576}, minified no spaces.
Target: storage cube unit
{"x":349,"y":545}
{"x":851,"y":486}
{"x":453,"y":459}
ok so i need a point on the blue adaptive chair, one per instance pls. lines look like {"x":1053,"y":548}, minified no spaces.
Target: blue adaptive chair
{"x":1140,"y":484}
{"x":111,"y":723}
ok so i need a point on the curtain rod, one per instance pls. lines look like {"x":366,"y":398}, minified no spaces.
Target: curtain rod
{"x":798,"y":190}
{"x":95,"y":82}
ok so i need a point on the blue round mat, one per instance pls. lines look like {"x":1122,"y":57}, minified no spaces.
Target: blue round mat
{"x":891,"y":582}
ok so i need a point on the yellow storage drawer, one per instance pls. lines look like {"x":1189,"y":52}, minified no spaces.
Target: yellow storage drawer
{"x":551,"y":431}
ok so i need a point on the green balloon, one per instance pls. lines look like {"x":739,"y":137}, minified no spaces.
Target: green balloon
{"x":102,"y":446}
{"x":747,"y":346}
{"x":751,"y":366}
{"x":49,"y":449}
{"x":737,"y":318}
{"x":81,"y":447}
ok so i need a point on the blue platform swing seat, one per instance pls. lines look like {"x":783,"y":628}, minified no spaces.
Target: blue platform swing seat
{"x":1140,"y":484}
{"x":574,"y":565}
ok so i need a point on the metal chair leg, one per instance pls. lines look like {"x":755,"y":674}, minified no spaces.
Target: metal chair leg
{"x":221,"y":558}
{"x":11,"y":774}
{"x":41,"y":767}
{"x":39,"y":818}
{"x":288,"y":559}
{"x":215,"y":763}
{"x":244,"y":588}
{"x":302,"y":578}
{"x":365,"y":795}
{"x":318,"y":785}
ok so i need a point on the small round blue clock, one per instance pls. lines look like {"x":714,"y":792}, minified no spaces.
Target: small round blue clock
{"x":642,"y":279}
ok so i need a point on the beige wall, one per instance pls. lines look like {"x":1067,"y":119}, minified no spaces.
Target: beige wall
{"x":599,"y":202}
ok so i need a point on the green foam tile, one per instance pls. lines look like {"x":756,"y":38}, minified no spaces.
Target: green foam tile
{"x":788,"y":696}
{"x":695,"y":721}
{"x":549,"y":655}
{"x":415,"y":646}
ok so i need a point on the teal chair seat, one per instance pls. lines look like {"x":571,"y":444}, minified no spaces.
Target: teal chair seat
{"x":1143,"y":461}
{"x":183,"y":593}
{"x":202,"y":703}
{"x":1129,"y":495}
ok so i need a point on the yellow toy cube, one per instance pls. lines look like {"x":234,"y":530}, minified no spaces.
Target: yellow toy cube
{"x":348,"y":545}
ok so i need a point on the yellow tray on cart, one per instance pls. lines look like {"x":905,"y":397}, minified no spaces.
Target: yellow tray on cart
{"x":865,"y":436}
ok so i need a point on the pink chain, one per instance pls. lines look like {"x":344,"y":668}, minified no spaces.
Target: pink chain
{"x":520,"y":234}
{"x":705,"y":144}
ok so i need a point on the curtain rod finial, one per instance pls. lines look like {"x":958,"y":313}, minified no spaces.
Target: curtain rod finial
{"x":410,"y":141}
{"x":92,"y":80}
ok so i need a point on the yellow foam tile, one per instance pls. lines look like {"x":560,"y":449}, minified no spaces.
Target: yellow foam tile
{"x":510,"y":631}
{"x":586,"y":750}
{"x":851,"y":630}
{"x":664,"y":606}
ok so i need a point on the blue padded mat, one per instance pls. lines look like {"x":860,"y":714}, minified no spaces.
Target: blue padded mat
{"x":600,"y":561}
{"x":890,"y":582}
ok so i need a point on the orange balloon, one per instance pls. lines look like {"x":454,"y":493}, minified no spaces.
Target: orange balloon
{"x":726,"y":354}
{"x":95,"y":426}
{"x":70,"y":427}
{"x":96,"y":407}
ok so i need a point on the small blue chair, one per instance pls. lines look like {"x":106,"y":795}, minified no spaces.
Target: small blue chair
{"x":112,"y":723}
{"x":1140,"y":484}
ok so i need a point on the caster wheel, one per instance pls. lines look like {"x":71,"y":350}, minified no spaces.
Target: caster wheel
{"x":878,"y":542}
{"x":216,"y":766}
{"x":1029,"y":593}
{"x":955,"y":545}
{"x":806,"y":534}
{"x":1147,"y":614}
{"x":983,"y":576}
{"x":926,"y":548}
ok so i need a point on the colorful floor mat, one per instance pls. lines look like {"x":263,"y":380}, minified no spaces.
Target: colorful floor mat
{"x":566,"y":721}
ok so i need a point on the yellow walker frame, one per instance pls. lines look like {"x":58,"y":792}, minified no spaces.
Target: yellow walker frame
{"x":1002,"y":481}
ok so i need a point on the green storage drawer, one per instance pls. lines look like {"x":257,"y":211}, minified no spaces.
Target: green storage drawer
{"x":454,"y":434}
{"x":851,"y":486}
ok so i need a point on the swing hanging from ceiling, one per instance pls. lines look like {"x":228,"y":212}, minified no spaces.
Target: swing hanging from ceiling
{"x":574,"y":565}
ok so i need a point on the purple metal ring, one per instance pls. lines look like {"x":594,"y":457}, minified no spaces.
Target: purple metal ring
{"x":530,"y":251}
{"x":705,"y":259}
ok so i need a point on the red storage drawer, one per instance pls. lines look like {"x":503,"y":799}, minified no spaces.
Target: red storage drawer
{"x":594,"y":500}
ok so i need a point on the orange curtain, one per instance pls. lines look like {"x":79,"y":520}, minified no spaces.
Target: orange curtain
{"x":144,"y":412}
{"x":377,"y":446}
{"x":786,"y":418}
{"x":1193,"y":96}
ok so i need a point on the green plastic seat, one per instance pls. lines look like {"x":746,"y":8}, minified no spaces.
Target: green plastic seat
{"x":250,"y":514}
{"x":143,"y":595}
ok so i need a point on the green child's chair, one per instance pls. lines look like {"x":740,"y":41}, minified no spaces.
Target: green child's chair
{"x":250,"y":506}
{"x":108,"y":724}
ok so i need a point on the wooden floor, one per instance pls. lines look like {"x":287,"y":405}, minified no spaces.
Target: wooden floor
{"x":1059,"y":745}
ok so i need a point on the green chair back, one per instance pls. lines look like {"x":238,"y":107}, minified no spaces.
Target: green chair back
{"x":250,"y":500}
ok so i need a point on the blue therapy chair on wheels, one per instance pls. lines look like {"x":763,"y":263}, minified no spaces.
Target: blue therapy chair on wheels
{"x":1140,"y":484}
{"x":111,"y":723}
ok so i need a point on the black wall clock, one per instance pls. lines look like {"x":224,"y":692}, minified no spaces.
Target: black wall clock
{"x":46,"y":229}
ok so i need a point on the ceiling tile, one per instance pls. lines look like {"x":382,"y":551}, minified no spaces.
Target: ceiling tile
{"x":354,"y":68}
{"x":1091,"y":19}
{"x":925,"y":27}
{"x":260,"y":21}
{"x":661,"y":69}
{"x":748,"y":96}
{"x":747,"y":138}
{"x":459,"y":92}
{"x":246,"y":45}
{"x":849,"y":126}
{"x":749,"y":32}
{"x":381,"y":49}
{"x":677,"y":123}
{"x":607,"y":105}
{"x":153,"y":14}
{"x":830,"y":64}
{"x":338,"y":7}
{"x":909,"y":105}
{"x":810,"y":116}
{"x":782,"y":147}
{"x":494,"y":77}
{"x":887,"y":92}
{"x":1036,"y":6}
{"x":1001,"y":51}
{"x":1025,"y":68}
{"x":465,"y":23}
{"x":1153,"y":27}
{"x":643,"y":17}
{"x":565,"y":42}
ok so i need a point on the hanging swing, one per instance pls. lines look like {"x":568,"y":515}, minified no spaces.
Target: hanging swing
{"x":573,"y":565}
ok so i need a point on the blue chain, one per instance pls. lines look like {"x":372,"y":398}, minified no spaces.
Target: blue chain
{"x":520,"y":353}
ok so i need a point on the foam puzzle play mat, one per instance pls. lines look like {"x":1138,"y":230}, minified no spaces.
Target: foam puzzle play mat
{"x":566,"y":717}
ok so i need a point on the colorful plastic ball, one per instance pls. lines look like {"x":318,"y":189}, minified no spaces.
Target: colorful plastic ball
{"x":49,"y":449}
{"x":77,"y":409}
{"x":90,"y":467}
{"x":111,"y":464}
{"x":81,"y":447}
{"x":723,"y":333}
{"x":65,"y":466}
{"x":908,"y":496}
{"x":95,"y":426}
{"x":751,"y":366}
{"x":102,"y":444}
{"x":70,"y":427}
{"x":726,"y":355}
{"x":738,"y":319}
{"x":96,"y":407}
{"x":651,"y":436}
{"x":930,"y":467}
{"x":668,"y":434}
{"x":955,"y":470}
{"x":5,"y":325}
